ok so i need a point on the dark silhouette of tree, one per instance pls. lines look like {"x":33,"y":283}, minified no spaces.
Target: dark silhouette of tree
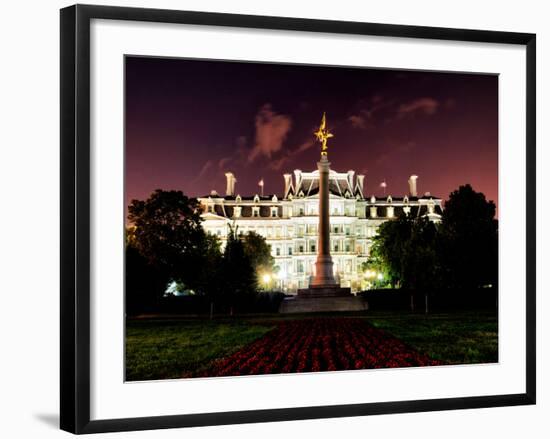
{"x":387,"y":252}
{"x":166,"y":231}
{"x":469,"y":244}
{"x":238,"y":274}
{"x":144,"y":283}
{"x":461,"y":252}
{"x":258,"y":252}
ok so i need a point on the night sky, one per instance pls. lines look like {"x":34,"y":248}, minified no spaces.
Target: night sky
{"x":190,"y":121}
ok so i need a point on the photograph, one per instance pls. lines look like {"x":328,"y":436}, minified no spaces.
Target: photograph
{"x":294,"y":218}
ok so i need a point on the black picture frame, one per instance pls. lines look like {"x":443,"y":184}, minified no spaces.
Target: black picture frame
{"x":75,"y":217}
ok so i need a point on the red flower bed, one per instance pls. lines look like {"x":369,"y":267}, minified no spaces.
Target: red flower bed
{"x":317,"y":344}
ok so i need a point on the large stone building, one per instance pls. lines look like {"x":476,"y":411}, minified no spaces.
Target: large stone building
{"x":289,"y":222}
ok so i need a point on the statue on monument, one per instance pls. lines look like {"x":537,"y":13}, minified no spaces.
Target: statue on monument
{"x":323,"y":134}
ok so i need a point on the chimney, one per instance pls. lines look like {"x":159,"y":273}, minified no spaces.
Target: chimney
{"x":231,"y":180}
{"x":360,"y":182}
{"x":298,"y":180}
{"x":288,"y":183}
{"x":412,"y":185}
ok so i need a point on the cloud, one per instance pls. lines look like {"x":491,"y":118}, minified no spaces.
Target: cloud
{"x":365,"y":117}
{"x":358,"y":121}
{"x":205,"y":168}
{"x":224,"y":161}
{"x":427,"y":106}
{"x":271,"y":131}
{"x":277,"y":164}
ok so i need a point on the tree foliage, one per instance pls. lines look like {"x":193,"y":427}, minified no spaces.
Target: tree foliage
{"x":469,"y":239}
{"x":258,"y":252}
{"x":461,"y":252}
{"x":239,"y":277}
{"x":167,"y":243}
{"x":166,"y":231}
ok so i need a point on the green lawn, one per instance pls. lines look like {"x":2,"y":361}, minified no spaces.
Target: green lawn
{"x":160,"y":349}
{"x":458,"y":338}
{"x":171,"y":348}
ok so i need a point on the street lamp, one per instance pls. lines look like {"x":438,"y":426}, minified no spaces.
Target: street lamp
{"x":266,"y":278}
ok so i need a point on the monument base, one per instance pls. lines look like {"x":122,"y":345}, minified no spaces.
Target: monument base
{"x":323,"y":299}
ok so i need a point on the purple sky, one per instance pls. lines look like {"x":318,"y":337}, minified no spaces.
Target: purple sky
{"x":190,"y":121}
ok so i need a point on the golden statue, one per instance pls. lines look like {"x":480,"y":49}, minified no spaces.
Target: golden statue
{"x":323,"y":134}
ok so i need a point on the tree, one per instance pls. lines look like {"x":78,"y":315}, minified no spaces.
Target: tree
{"x":420,"y":261}
{"x":387,"y":251}
{"x":166,"y":231}
{"x":259,"y":254}
{"x":238,"y":274}
{"x":144,"y":283}
{"x":461,"y":252}
{"x":469,"y":244}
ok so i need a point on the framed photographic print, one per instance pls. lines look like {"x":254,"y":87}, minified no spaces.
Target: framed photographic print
{"x":268,"y":218}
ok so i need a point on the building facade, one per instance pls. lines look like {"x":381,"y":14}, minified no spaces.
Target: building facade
{"x":289,"y":222}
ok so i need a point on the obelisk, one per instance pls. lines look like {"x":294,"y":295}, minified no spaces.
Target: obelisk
{"x":324,"y":274}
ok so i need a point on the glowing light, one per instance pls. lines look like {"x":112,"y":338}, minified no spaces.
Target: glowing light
{"x":380,"y":276}
{"x":266,"y":278}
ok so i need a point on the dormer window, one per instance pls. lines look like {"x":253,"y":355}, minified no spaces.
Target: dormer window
{"x":273,"y":212}
{"x":373,"y":213}
{"x":255,"y":211}
{"x":238,"y":199}
{"x":373,"y":199}
{"x":256,"y":198}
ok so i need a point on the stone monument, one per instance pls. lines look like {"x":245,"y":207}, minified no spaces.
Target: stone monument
{"x":324,"y":292}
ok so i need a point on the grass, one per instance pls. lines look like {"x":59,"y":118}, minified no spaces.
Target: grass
{"x":457,"y":338}
{"x":171,"y":348}
{"x":162,"y":349}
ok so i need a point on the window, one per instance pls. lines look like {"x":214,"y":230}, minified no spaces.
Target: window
{"x":301,"y":211}
{"x":273,"y":212}
{"x":301,"y":249}
{"x":256,"y":211}
{"x":312,"y":248}
{"x":300,"y":266}
{"x":278,"y":251}
{"x":336,"y":247}
{"x":290,"y":251}
{"x":347,"y":247}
